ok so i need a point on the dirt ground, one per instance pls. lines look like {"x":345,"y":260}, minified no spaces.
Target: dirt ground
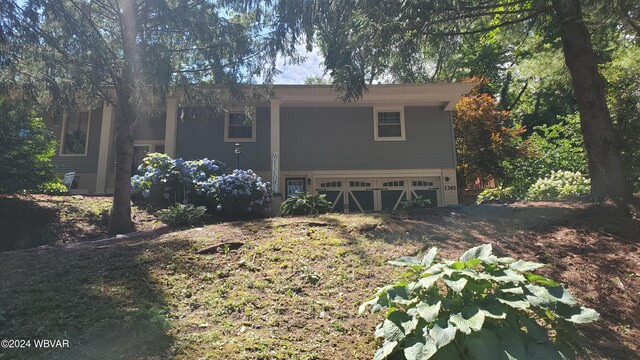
{"x":33,"y":220}
{"x":290,"y":288}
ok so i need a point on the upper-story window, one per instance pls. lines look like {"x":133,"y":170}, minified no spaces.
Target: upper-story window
{"x":75,"y":134}
{"x":239,"y":127}
{"x":388,"y":124}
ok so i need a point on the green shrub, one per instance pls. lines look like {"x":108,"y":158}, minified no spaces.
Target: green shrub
{"x":162,"y":181}
{"x":496,"y":195}
{"x":560,"y":184}
{"x":304,"y":203}
{"x":181,"y":215}
{"x":415,"y":202}
{"x":26,"y":148}
{"x":240,"y":192}
{"x":478,"y":307}
{"x":54,"y":187}
{"x":549,"y":148}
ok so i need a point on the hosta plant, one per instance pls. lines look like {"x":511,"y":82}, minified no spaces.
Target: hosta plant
{"x":496,"y":195}
{"x":477,"y":307}
{"x":181,"y":215}
{"x":415,"y":202}
{"x":304,"y":203}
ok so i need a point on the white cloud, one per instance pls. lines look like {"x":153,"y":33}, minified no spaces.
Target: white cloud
{"x":298,"y":73}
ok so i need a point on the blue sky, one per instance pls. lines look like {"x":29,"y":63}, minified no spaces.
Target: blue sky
{"x":296,"y":74}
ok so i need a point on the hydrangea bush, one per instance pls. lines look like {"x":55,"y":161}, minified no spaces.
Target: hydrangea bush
{"x":560,"y":184}
{"x":163,"y":181}
{"x":240,"y":191}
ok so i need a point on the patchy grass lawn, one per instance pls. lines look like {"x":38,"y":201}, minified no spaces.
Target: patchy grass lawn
{"x":33,"y":220}
{"x":289,"y":288}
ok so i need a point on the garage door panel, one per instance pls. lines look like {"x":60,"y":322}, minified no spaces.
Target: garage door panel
{"x":336,"y":198}
{"x":392,"y":192}
{"x":377,"y":194}
{"x":361,"y":200}
{"x":431,"y":195}
{"x":334,"y":191}
{"x":391,"y":199}
{"x":361,"y":195}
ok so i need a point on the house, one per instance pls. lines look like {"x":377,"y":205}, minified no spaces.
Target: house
{"x":396,"y":142}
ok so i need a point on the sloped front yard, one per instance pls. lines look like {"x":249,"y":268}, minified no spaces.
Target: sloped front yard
{"x":290,"y":288}
{"x":28,"y":221}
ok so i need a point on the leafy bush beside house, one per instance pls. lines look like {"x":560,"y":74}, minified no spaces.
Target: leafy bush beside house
{"x":242,"y":191}
{"x":477,"y":307}
{"x":164,"y":181}
{"x":53,"y":187}
{"x":26,"y":149}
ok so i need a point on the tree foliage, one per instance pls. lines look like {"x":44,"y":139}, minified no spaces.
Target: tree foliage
{"x":26,"y":148}
{"x":557,"y":147}
{"x":365,"y":40}
{"x":483,"y":137}
{"x":623,"y":75}
{"x":129,"y":54}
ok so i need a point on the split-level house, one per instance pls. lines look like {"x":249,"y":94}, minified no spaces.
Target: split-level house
{"x":396,"y":142}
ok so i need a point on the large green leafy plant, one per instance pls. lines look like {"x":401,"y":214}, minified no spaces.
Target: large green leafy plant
{"x":477,"y":307}
{"x":415,"y":202}
{"x":304,"y":203}
{"x":496,"y":195}
{"x":181,"y":215}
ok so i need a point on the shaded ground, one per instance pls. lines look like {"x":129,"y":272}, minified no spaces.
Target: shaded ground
{"x":34,"y":220}
{"x":292,"y":289}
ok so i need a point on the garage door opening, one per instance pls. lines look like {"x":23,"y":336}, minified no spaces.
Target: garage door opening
{"x":358,"y":195}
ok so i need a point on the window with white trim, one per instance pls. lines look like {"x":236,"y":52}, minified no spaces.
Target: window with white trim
{"x":389,"y":124}
{"x":75,"y":134}
{"x":239,"y":127}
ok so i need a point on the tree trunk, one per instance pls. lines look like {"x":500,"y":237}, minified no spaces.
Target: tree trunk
{"x":129,"y":88}
{"x":605,"y":166}
{"x":121,"y":209}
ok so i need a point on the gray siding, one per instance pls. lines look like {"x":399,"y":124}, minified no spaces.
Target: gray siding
{"x":202,"y":136}
{"x":151,"y":128}
{"x":342,"y":139}
{"x":79,"y":163}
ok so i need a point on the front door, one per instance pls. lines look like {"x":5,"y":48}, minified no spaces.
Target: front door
{"x":294,"y":186}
